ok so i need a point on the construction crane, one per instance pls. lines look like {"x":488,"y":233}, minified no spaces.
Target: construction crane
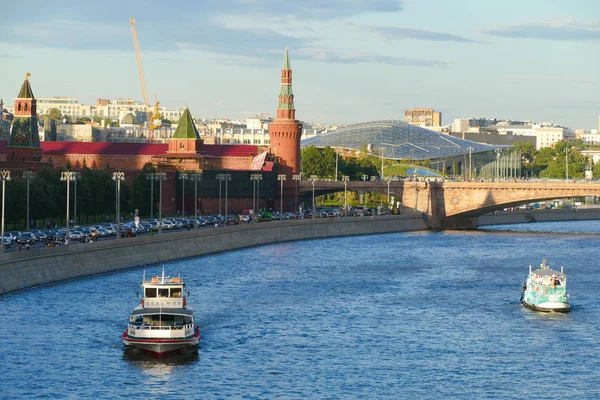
{"x":136,"y":46}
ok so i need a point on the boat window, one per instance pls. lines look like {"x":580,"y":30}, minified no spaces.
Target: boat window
{"x":176,"y":292}
{"x":163,"y":292}
{"x":150,"y":292}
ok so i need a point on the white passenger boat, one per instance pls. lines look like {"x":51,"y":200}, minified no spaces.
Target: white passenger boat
{"x":546,"y":290}
{"x":163,"y":322}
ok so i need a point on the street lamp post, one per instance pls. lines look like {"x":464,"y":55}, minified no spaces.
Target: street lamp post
{"x":374,"y":179}
{"x":67,"y":176}
{"x":118,"y":177}
{"x":281,"y":178}
{"x":27,"y":174}
{"x":389,"y":180}
{"x":151,"y":177}
{"x":566,"y":164}
{"x":227,"y":179}
{"x":183,"y":176}
{"x":160,"y":177}
{"x":196,"y":176}
{"x":313,"y":179}
{"x":255,"y":178}
{"x":345,"y":178}
{"x":470,"y":163}
{"x":5,"y":177}
{"x":296,"y":178}
{"x":77,"y":177}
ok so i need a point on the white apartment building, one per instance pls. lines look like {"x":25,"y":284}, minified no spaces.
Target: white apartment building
{"x":257,"y":137}
{"x":114,"y":109}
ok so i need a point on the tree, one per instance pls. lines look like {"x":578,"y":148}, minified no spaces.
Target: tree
{"x":141,"y":190}
{"x":54,"y":113}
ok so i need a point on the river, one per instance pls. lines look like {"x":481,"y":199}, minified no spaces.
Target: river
{"x":407,"y":315}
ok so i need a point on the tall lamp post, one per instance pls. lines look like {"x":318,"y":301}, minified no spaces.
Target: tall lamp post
{"x":389,"y":180}
{"x":345,"y":178}
{"x":183,"y":176}
{"x":227,"y":179}
{"x":77,"y":177}
{"x":5,"y":177}
{"x":67,"y":176}
{"x":281,"y":178}
{"x":160,"y":177}
{"x":151,"y":177}
{"x":566,"y":164}
{"x":27,"y":174}
{"x":255,"y":178}
{"x":313,"y":179}
{"x":296,"y":178}
{"x":374,"y":179}
{"x":196,"y":176}
{"x":118,"y":177}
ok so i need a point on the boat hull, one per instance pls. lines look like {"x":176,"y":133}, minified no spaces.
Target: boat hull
{"x":549,"y":306}
{"x":161,"y":347}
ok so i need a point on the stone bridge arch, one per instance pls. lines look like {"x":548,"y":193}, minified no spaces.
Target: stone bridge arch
{"x":453,"y":204}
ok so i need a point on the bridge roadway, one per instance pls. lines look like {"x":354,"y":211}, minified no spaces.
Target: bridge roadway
{"x":458,"y":204}
{"x":39,"y":266}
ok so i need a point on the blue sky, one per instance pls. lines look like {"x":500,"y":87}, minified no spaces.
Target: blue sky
{"x":353,"y":60}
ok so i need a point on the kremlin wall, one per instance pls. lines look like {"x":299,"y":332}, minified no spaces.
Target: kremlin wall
{"x":184,"y":151}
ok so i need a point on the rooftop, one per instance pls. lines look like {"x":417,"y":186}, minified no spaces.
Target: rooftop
{"x":399,"y":141}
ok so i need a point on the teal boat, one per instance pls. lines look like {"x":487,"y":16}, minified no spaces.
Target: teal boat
{"x":546,"y":290}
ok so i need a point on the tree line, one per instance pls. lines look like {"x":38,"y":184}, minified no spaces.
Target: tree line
{"x":96,"y":196}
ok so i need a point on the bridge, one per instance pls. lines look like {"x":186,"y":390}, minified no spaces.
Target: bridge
{"x":458,"y":204}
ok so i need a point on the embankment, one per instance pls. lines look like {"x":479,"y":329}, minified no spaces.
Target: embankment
{"x":25,"y":269}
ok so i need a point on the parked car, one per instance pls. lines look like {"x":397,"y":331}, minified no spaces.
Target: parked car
{"x":50,"y":234}
{"x":39,"y":236}
{"x":15,"y":235}
{"x":127,"y":231}
{"x":89,"y":235}
{"x":7,"y":240}
{"x":26,"y":238}
{"x":102,"y":232}
{"x":77,"y":235}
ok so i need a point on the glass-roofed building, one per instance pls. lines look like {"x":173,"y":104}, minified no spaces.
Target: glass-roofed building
{"x":401,"y":141}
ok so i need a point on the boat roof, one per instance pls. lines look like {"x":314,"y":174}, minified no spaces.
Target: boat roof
{"x":547,"y":272}
{"x":171,"y":311}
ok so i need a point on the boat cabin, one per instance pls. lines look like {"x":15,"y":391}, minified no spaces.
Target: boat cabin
{"x":163,"y":293}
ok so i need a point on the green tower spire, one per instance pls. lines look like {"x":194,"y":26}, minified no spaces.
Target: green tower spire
{"x":186,"y":128}
{"x":286,"y":60}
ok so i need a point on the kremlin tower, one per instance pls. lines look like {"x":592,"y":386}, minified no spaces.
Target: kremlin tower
{"x":285,"y":131}
{"x":24,"y":144}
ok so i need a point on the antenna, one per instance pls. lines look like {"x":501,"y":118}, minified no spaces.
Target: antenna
{"x":163,"y":275}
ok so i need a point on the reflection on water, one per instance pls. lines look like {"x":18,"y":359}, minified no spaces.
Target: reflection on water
{"x":143,"y":359}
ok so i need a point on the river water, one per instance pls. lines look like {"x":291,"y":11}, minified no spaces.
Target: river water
{"x":407,"y":315}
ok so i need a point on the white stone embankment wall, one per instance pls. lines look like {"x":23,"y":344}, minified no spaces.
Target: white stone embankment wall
{"x":39,"y":266}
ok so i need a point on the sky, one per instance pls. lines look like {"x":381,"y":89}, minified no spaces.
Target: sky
{"x":352,"y":60}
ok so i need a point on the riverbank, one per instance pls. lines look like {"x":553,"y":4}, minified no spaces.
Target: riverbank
{"x":22,"y":270}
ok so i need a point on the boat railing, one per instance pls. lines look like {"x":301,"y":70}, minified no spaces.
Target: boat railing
{"x":161,"y":327}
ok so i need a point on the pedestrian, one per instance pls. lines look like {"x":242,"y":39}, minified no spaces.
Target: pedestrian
{"x":26,"y":246}
{"x":19,"y":247}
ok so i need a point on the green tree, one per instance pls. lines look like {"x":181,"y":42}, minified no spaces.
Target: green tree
{"x":54,"y":113}
{"x":141,"y":190}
